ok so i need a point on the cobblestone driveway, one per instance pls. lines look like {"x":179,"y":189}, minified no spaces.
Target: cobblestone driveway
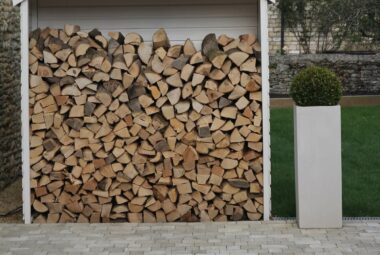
{"x":200,"y":238}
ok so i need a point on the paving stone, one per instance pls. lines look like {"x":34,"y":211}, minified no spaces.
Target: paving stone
{"x":277,"y":237}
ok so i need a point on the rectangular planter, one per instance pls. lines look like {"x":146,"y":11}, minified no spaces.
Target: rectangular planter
{"x":317,"y":140}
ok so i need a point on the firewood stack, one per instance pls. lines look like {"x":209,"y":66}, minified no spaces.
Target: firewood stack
{"x":124,"y":130}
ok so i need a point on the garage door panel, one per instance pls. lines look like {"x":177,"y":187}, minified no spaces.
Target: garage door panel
{"x":62,"y":3}
{"x":153,"y":23}
{"x":180,"y":21}
{"x":179,"y":12}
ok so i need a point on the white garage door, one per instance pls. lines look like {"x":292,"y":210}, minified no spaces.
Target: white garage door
{"x":182,"y":19}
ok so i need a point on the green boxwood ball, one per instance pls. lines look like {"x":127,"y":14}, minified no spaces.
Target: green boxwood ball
{"x":316,"y":86}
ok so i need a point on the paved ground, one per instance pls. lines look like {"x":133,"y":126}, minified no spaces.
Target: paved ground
{"x":201,"y":238}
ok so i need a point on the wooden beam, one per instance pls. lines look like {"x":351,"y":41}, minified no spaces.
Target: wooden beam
{"x":265,"y":107}
{"x":24,"y":26}
{"x":17,"y":2}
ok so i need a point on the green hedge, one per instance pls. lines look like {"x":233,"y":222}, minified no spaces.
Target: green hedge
{"x":10,"y":94}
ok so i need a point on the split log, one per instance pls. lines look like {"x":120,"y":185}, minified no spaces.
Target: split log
{"x":211,"y":50}
{"x":160,"y":39}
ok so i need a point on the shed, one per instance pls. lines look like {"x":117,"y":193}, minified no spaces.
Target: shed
{"x":181,"y":19}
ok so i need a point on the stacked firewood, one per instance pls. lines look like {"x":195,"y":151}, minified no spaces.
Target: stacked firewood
{"x":124,"y":130}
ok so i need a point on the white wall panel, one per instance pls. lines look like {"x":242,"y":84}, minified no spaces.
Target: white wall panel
{"x":181,"y":19}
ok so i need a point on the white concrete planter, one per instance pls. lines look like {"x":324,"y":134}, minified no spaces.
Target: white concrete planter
{"x":317,"y":140}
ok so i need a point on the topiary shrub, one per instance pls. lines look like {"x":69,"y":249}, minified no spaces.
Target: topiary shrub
{"x":316,"y":86}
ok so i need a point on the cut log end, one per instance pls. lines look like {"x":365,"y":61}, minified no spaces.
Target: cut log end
{"x":122,"y":130}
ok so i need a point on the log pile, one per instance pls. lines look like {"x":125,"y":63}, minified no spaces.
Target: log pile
{"x":124,"y":130}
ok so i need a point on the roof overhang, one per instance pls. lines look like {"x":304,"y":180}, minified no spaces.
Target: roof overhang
{"x":17,"y":2}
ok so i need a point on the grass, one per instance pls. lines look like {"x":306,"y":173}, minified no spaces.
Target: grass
{"x":360,"y":155}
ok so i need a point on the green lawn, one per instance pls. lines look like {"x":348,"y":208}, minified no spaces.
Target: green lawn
{"x":361,"y":162}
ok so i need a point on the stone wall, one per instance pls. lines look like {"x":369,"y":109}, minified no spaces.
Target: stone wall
{"x":360,"y":74}
{"x":10,"y":121}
